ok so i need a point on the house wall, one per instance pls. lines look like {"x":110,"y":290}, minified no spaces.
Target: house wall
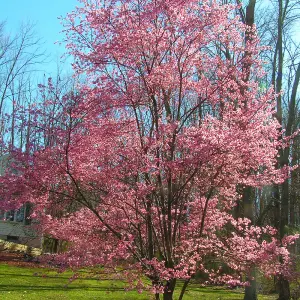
{"x":14,"y":224}
{"x":19,"y":233}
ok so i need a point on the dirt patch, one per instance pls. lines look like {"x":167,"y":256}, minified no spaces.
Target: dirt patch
{"x":20,"y":260}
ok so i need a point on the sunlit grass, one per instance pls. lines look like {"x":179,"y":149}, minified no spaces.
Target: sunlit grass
{"x":39,"y":283}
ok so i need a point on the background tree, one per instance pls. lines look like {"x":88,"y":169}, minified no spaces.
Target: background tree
{"x":276,"y":26}
{"x":20,"y":57}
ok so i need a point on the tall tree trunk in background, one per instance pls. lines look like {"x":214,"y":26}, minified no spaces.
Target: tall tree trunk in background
{"x":282,"y":199}
{"x":294,"y":189}
{"x":279,"y":54}
{"x":248,"y":204}
{"x":283,"y":284}
{"x":295,"y":180}
{"x":295,"y":154}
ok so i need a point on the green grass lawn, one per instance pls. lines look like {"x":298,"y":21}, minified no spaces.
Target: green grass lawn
{"x":38,"y":283}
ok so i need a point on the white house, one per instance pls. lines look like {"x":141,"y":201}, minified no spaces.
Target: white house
{"x":15,"y":226}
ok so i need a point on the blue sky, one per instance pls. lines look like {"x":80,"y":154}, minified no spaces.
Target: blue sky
{"x":44,"y":13}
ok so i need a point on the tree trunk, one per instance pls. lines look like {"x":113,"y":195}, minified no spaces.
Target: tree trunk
{"x":183,"y":289}
{"x":250,"y":290}
{"x":169,"y":289}
{"x":168,"y":296}
{"x":283,"y":288}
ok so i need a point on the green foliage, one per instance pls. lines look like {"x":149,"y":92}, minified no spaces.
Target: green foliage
{"x":52,"y":245}
{"x":13,"y":247}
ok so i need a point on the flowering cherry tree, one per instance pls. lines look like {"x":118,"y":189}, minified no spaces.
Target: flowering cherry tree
{"x":155,"y":147}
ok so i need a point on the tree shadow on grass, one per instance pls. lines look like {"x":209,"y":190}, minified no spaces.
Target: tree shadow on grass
{"x":17,"y":287}
{"x":58,"y":276}
{"x":34,"y":275}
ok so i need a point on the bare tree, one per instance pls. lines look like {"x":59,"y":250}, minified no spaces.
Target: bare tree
{"x":276,"y":23}
{"x":20,"y":56}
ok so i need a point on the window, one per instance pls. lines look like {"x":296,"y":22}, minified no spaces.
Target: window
{"x":9,"y":215}
{"x":20,"y":214}
{"x":12,"y":238}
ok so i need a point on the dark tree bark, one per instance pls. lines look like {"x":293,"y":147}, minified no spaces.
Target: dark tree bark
{"x":169,"y":289}
{"x":283,"y":284}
